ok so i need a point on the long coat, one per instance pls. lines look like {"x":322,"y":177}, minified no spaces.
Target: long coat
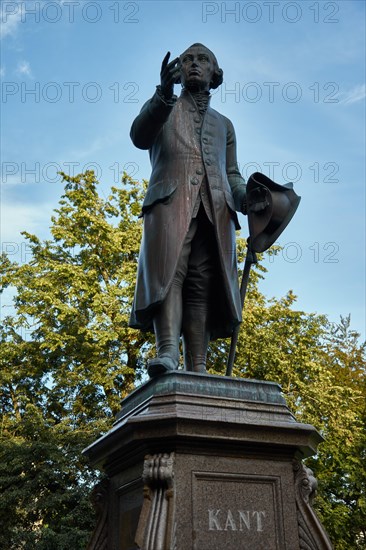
{"x":183,"y":149}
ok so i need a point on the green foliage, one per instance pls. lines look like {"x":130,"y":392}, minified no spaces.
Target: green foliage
{"x":73,"y":299}
{"x":341,"y":417}
{"x":67,"y":358}
{"x":45,"y":485}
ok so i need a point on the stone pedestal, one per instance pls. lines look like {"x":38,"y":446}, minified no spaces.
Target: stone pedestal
{"x":208,"y":463}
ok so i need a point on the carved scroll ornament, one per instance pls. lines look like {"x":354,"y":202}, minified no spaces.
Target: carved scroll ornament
{"x":155,"y":530}
{"x":311,"y":532}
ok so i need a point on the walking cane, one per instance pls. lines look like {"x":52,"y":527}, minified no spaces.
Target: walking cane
{"x":251,"y":258}
{"x":265,"y":226}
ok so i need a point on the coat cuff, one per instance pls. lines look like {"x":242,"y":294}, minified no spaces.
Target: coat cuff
{"x":159,"y":107}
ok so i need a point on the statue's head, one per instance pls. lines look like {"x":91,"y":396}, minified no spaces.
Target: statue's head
{"x":199,"y":69}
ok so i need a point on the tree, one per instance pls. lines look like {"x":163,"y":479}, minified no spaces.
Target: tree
{"x":45,"y":484}
{"x":341,"y":417}
{"x":68,"y":358}
{"x":73,"y":298}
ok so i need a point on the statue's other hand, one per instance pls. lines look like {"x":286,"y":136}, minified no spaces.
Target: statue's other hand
{"x":169,"y":75}
{"x":259,"y":200}
{"x":258,"y":206}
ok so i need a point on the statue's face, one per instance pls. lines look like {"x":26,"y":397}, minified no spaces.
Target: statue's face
{"x":197,"y":69}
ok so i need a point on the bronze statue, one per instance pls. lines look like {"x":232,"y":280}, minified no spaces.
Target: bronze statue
{"x":187,"y":282}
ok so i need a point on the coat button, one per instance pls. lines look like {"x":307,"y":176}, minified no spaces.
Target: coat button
{"x":208,"y":162}
{"x":199,"y":171}
{"x":197,"y":119}
{"x":206,"y":150}
{"x":194,"y":181}
{"x":198,"y":131}
{"x":192,"y":110}
{"x":205,"y":140}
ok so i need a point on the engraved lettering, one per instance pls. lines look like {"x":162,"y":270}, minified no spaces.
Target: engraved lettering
{"x":244,"y":518}
{"x":259,"y":520}
{"x":239,"y":520}
{"x":213,"y":520}
{"x":230,"y":523}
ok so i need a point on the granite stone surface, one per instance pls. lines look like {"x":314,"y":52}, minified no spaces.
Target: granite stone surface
{"x":206,"y":462}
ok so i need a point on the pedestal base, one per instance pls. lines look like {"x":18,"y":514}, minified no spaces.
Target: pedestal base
{"x":206,"y":462}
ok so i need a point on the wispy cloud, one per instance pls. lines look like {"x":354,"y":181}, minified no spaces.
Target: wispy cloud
{"x":94,"y":147}
{"x":356,"y":94}
{"x":24,"y":69}
{"x":10,"y":19}
{"x":18,"y":217}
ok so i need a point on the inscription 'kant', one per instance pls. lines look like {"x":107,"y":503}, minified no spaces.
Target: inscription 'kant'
{"x":239,"y":520}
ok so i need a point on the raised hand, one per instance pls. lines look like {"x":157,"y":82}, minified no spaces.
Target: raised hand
{"x":169,"y":75}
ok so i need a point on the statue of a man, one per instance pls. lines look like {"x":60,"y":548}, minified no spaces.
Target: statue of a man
{"x":187,"y":282}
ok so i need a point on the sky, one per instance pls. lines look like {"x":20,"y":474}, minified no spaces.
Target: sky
{"x":74,"y":74}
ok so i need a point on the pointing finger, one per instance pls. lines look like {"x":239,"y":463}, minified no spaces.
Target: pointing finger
{"x":165,"y":61}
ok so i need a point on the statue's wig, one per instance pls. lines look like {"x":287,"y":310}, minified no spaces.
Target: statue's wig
{"x":218,"y":75}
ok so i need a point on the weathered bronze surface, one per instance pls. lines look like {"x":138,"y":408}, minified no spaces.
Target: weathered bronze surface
{"x":187,"y":279}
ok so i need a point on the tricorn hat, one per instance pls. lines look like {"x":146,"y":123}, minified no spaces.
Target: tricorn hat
{"x":267,"y":224}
